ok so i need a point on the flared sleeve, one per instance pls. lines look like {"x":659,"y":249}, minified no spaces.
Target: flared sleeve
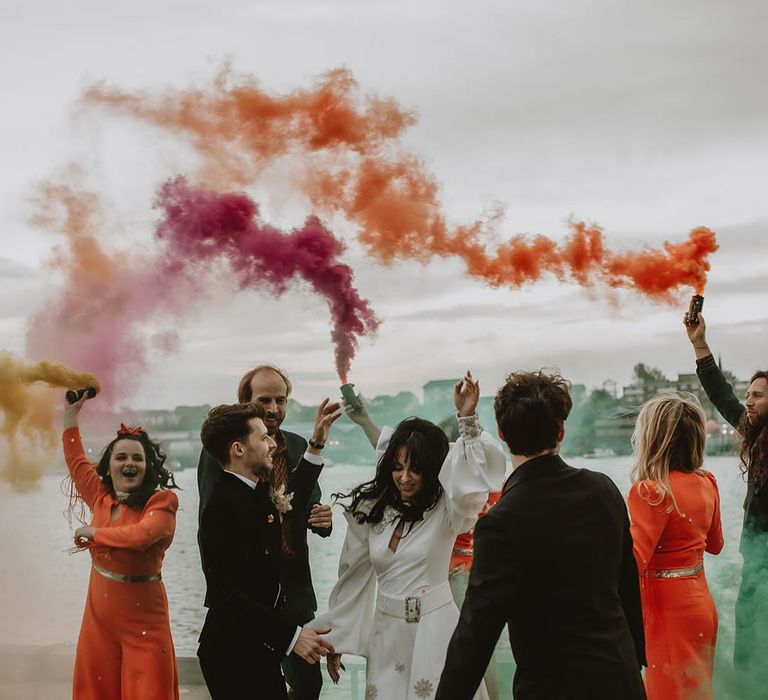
{"x":353,"y":598}
{"x":473,"y":468}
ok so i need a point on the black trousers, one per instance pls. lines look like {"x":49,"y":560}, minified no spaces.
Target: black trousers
{"x":305,"y":679}
{"x":234,"y":677}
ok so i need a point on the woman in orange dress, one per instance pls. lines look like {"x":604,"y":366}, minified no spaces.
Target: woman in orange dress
{"x":124,"y":650}
{"x":674,"y":507}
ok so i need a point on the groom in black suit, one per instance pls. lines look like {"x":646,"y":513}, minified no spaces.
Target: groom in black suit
{"x":270,"y":387}
{"x":246,"y":633}
{"x":553,"y":560}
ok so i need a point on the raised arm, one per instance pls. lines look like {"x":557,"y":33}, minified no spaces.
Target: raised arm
{"x":716,"y":386}
{"x":697,"y":334}
{"x":475,"y":463}
{"x":363,"y":419}
{"x":83,"y":473}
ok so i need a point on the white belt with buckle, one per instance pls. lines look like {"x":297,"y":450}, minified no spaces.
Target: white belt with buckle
{"x":413,"y":607}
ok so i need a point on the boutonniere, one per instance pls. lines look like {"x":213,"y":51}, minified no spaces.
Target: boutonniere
{"x":281,"y":499}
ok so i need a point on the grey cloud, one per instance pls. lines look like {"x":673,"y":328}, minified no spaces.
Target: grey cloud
{"x":14,"y":270}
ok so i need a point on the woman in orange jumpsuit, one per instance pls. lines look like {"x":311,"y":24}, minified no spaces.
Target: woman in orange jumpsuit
{"x":674,"y":507}
{"x":125,"y":650}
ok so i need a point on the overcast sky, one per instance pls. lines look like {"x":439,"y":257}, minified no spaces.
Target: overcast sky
{"x":648,"y":119}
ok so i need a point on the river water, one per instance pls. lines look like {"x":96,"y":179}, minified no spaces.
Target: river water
{"x":42,"y":588}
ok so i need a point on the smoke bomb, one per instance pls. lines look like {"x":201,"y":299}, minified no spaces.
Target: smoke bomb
{"x":74,"y":395}
{"x":348,"y":393}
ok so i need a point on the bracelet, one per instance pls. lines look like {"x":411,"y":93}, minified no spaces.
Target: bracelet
{"x":316,"y":445}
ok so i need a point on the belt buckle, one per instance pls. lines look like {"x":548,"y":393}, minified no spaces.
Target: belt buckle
{"x":412,"y":608}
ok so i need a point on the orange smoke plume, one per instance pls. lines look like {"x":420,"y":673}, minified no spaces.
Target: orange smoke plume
{"x":354,"y":163}
{"x":28,"y":436}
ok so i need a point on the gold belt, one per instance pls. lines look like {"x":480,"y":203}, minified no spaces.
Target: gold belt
{"x":679,"y":573}
{"x":125,"y":578}
{"x":466,"y":551}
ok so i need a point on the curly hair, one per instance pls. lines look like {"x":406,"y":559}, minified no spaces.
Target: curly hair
{"x":531,"y":409}
{"x":753,"y":452}
{"x":427,"y":447}
{"x":156,"y":475}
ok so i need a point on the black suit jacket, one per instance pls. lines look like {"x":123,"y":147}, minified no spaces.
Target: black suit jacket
{"x":300,"y":600}
{"x":241,"y":547}
{"x":553,"y":560}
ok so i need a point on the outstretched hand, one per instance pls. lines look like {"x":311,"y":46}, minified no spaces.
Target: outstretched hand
{"x":312,"y":646}
{"x":326,"y":416}
{"x":466,"y":395}
{"x":71,"y":410}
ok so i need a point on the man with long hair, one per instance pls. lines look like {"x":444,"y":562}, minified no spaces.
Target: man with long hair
{"x":270,"y":387}
{"x":750,"y":420}
{"x":553,"y":560}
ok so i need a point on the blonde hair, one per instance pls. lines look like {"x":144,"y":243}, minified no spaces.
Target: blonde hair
{"x":669,"y":436}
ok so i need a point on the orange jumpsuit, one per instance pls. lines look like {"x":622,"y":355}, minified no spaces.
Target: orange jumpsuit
{"x":461,"y":557}
{"x":125,"y":650}
{"x":679,"y":614}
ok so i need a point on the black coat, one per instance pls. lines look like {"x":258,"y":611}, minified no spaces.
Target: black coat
{"x":241,"y":547}
{"x":720,"y":393}
{"x":553,"y":560}
{"x":300,"y":600}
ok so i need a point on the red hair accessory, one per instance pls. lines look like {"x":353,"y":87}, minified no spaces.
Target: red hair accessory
{"x":125,"y":431}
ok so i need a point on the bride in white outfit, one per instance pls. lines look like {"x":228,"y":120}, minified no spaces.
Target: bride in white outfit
{"x":392,"y":603}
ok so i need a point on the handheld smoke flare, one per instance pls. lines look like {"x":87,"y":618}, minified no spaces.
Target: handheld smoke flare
{"x":697,"y":304}
{"x":74,"y":395}
{"x":348,"y":394}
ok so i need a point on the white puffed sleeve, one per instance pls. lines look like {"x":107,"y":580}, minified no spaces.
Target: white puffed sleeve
{"x":473,"y":468}
{"x":383,"y":442}
{"x":353,"y":598}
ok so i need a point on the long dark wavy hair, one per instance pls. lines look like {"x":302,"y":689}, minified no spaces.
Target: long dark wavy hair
{"x":753,"y":452}
{"x":427,"y":447}
{"x":156,"y":476}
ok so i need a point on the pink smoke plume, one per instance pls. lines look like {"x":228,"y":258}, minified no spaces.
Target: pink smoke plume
{"x":116,"y":303}
{"x":204,"y":226}
{"x":102,"y":318}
